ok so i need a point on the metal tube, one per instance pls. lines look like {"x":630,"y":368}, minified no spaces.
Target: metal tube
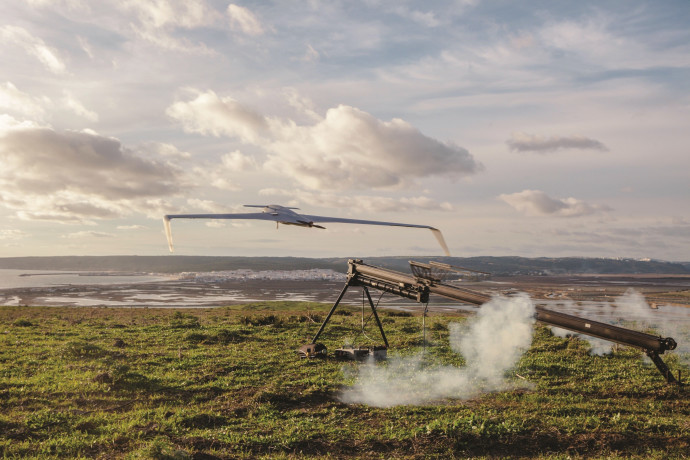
{"x":605,"y":331}
{"x":456,"y":293}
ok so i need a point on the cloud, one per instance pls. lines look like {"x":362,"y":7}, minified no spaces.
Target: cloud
{"x":187,"y":14}
{"x":212,"y":207}
{"x":220,"y":175}
{"x":212,"y":115}
{"x":426,"y":19}
{"x":348,"y":148}
{"x":35,"y":47}
{"x":538,"y":203}
{"x":16,"y":101}
{"x":162,"y":149}
{"x":72,"y":176}
{"x":159,"y":21}
{"x":88,"y":234}
{"x":244,"y":20}
{"x":311,"y":55}
{"x":523,"y":142}
{"x":237,"y":162}
{"x":368,"y":204}
{"x":40,"y":108}
{"x":71,"y":4}
{"x":12,"y":234}
{"x":75,"y":106}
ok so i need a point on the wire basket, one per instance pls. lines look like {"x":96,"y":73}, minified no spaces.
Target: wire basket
{"x":438,"y":272}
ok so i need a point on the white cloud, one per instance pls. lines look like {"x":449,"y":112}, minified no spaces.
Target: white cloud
{"x":70,"y":4}
{"x":41,"y":108}
{"x":244,"y":20}
{"x":348,"y":148}
{"x":12,"y":234}
{"x":14,"y":100}
{"x":221,"y":175}
{"x":8,"y":122}
{"x":426,"y":19}
{"x":523,"y":142}
{"x":159,"y":14}
{"x":237,"y":162}
{"x":71,"y":176}
{"x":212,"y":115}
{"x":538,"y":203}
{"x":159,"y":21}
{"x":162,"y":149}
{"x":364,"y":203}
{"x":75,"y":106}
{"x":34,"y":46}
{"x":88,"y":234}
{"x":209,"y":206}
{"x":311,"y":55}
{"x":132,"y":227}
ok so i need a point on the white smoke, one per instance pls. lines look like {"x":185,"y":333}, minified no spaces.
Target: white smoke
{"x":491,"y":343}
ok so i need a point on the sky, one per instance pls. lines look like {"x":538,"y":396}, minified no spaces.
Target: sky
{"x":538,"y":129}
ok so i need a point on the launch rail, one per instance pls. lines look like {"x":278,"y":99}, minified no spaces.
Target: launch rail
{"x":428,"y":279}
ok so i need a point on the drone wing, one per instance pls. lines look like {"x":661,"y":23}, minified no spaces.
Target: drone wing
{"x":248,"y":215}
{"x":437,"y":233}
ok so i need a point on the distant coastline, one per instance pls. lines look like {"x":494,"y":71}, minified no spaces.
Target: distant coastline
{"x":503,"y":266}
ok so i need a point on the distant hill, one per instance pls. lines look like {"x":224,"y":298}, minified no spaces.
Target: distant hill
{"x":161,"y":264}
{"x":495,"y":265}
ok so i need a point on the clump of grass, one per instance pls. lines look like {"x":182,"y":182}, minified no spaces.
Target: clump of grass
{"x":399,"y":314}
{"x":22,"y":322}
{"x":438,"y":326}
{"x":82,"y":349}
{"x":161,"y":449}
{"x":195,"y":337}
{"x":184,"y":321}
{"x":204,"y":421}
{"x":262,"y":320}
{"x":225,"y":336}
{"x":47,"y":419}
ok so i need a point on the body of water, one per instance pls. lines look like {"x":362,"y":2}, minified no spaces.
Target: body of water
{"x":10,"y":279}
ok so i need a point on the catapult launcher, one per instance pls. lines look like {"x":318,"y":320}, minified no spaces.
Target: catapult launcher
{"x":427,"y":279}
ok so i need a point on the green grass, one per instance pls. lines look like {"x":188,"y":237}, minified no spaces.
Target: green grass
{"x":226,"y":383}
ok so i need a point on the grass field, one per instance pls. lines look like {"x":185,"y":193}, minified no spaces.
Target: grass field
{"x":226,"y":383}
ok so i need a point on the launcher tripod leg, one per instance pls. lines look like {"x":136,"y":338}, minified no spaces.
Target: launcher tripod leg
{"x":661,"y":365}
{"x":330,"y":313}
{"x":376,"y":316}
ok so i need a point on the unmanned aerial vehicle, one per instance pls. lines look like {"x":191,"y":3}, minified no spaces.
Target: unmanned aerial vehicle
{"x":286,"y":216}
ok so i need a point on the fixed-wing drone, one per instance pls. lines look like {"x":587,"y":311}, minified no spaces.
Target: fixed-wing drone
{"x":286,"y":216}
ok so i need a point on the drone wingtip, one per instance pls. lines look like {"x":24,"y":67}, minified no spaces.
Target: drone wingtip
{"x":168,"y":232}
{"x":439,"y":237}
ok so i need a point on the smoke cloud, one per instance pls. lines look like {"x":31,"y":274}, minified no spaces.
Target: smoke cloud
{"x":491,"y":343}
